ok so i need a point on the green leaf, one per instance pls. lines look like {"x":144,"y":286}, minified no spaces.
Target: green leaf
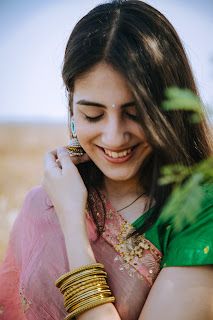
{"x":173,"y":174}
{"x":185,"y":200}
{"x":183,"y":99}
{"x":206,"y":168}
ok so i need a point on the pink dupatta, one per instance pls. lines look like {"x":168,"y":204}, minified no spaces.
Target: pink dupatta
{"x":36,"y":257}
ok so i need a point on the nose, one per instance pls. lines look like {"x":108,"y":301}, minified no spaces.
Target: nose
{"x":115,"y":134}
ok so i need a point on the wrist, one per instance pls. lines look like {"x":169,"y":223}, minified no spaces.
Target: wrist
{"x":79,"y":251}
{"x":73,"y":218}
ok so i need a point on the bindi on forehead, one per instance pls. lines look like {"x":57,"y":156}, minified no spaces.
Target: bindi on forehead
{"x":84,"y":102}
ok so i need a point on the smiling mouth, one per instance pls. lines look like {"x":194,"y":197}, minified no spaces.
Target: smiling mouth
{"x":116,"y":155}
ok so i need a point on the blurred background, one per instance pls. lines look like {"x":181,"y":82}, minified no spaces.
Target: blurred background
{"x":33,"y":105}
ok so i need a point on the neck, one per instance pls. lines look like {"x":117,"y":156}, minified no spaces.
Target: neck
{"x":122,"y":189}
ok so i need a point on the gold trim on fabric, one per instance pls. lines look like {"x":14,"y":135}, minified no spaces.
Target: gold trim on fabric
{"x":24,"y":302}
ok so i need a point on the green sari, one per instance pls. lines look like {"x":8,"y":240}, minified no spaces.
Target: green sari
{"x":192,"y":245}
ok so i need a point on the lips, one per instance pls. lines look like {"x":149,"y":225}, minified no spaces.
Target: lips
{"x":115,"y":155}
{"x":118,"y":157}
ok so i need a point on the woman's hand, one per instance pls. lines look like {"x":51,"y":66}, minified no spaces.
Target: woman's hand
{"x":64,"y":185}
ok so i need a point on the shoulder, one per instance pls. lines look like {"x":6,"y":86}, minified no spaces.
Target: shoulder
{"x":37,"y":195}
{"x":36,"y":207}
{"x":36,"y":218}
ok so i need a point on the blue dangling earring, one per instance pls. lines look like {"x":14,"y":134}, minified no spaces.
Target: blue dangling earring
{"x":74,"y":147}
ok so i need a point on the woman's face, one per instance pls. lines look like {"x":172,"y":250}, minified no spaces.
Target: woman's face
{"x":106,"y":123}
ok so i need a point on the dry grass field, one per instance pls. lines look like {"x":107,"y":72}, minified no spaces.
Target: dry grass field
{"x":22,"y":149}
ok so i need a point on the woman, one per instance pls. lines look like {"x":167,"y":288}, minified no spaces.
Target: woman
{"x":101,"y":201}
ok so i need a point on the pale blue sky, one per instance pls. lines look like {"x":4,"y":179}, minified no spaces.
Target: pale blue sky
{"x":33,"y":36}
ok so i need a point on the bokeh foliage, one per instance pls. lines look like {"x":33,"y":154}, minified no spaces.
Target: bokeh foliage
{"x":187,"y":194}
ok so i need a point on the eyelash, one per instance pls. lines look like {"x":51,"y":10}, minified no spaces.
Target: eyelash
{"x":95,"y":119}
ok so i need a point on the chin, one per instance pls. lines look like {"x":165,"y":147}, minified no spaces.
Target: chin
{"x":123,"y":176}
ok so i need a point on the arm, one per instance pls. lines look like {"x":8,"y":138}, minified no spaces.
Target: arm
{"x":59,"y":178}
{"x":181,"y":293}
{"x":80,"y":253}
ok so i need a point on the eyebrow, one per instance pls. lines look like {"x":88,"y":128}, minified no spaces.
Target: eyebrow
{"x":97,"y":104}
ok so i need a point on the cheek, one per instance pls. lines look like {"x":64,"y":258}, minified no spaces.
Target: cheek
{"x":81,"y":127}
{"x":85,"y":133}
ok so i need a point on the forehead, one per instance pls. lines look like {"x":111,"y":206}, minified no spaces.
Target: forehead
{"x":102,"y":82}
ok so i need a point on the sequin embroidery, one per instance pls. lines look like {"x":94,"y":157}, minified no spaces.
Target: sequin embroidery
{"x":24,"y":302}
{"x":206,"y":249}
{"x":136,"y":253}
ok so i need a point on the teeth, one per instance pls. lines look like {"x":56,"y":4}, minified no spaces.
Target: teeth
{"x":115,"y":155}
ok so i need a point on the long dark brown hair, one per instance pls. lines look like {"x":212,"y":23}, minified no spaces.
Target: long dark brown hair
{"x":141,"y":44}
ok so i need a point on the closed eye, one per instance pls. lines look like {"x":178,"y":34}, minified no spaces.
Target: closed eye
{"x":132,"y":116}
{"x":93,"y":119}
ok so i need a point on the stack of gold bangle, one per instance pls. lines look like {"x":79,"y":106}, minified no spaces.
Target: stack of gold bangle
{"x":84,"y":288}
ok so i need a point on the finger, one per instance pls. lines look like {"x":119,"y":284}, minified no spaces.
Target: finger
{"x":64,"y":157}
{"x":58,"y":150}
{"x":50,"y":162}
{"x":54,"y":153}
{"x":75,"y":159}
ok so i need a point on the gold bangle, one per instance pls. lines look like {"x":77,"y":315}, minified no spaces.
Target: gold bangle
{"x":85,"y":280}
{"x":88,"y":279}
{"x":91,"y":274}
{"x":71,"y":285}
{"x":78,"y":305}
{"x":73,"y":306}
{"x":85,"y":294}
{"x":89,"y":266}
{"x":87,"y":272}
{"x":89,"y":306}
{"x":81,"y":295}
{"x":70,"y":288}
{"x":78,"y":296}
{"x":78,"y":288}
{"x":85,"y":289}
{"x":71,"y":281}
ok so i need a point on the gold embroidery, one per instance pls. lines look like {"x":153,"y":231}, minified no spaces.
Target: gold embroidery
{"x":129,"y":269}
{"x":110,"y":214}
{"x":137,"y":256}
{"x":206,"y":249}
{"x":24,"y":302}
{"x":132,"y":247}
{"x":139,"y":253}
{"x":150,"y":262}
